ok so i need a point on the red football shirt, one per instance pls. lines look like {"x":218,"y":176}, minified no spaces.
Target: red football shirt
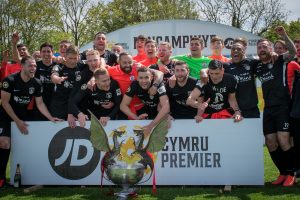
{"x":139,"y":57}
{"x":147,"y":62}
{"x":291,"y":68}
{"x":124,"y":80}
{"x":8,"y":69}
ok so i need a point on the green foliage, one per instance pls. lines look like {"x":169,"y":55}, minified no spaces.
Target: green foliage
{"x":54,"y":37}
{"x":121,"y":13}
{"x":40,"y":21}
{"x":31,"y":18}
{"x":292,"y":28}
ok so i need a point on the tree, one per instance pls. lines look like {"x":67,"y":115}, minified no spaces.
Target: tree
{"x":74,"y":13}
{"x":6,"y":24}
{"x":31,"y":18}
{"x":292,"y":28}
{"x":255,"y":16}
{"x":121,"y":13}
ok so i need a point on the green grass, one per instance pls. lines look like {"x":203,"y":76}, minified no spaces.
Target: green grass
{"x":166,"y":192}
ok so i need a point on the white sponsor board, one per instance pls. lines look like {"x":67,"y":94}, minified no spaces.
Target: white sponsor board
{"x":179,"y":33}
{"x":214,"y":152}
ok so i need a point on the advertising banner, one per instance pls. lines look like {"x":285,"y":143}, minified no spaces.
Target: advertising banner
{"x":213,"y":152}
{"x":178,"y":33}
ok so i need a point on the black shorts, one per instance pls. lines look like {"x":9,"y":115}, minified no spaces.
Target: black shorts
{"x":5,"y":128}
{"x":251,"y":113}
{"x":275,"y":119}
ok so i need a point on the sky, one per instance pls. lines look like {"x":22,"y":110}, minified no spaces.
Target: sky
{"x":294,"y":7}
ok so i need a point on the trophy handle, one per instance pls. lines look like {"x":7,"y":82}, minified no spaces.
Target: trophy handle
{"x":106,"y":177}
{"x":147,"y":179}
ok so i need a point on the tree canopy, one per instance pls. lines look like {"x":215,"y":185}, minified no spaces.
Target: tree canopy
{"x":78,"y":20}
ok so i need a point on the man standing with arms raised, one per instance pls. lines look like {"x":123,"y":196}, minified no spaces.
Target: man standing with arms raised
{"x":276,"y":110}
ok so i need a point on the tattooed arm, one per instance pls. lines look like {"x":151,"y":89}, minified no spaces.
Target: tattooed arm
{"x":288,"y":56}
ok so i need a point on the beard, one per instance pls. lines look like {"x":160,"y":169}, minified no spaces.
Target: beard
{"x":263,"y":55}
{"x":181,"y":79}
{"x":126,"y":69}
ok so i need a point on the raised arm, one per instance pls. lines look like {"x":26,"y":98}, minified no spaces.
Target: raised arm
{"x":290,"y":54}
{"x":15,"y":53}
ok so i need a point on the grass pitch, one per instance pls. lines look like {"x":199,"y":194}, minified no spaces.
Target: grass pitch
{"x":165,"y":192}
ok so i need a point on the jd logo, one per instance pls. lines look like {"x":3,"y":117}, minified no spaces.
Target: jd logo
{"x":228,"y":43}
{"x":71,"y":153}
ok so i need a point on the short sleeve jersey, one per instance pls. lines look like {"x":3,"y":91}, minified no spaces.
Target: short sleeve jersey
{"x":139,"y":57}
{"x":273,"y":79}
{"x":148,"y":62}
{"x":21,"y":94}
{"x":43,"y":73}
{"x":218,"y":93}
{"x":143,"y":95}
{"x":124,"y":79}
{"x":83,"y":77}
{"x":170,"y":66}
{"x":178,"y":96}
{"x":244,"y":73}
{"x":109,"y":57}
{"x":63,"y":90}
{"x":97,"y":98}
{"x":195,"y":64}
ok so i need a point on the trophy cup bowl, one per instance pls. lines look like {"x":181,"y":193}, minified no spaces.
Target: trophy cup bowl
{"x":126,"y":176}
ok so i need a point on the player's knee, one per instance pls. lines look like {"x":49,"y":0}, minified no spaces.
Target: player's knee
{"x":285,"y":145}
{"x":284,"y":141}
{"x":271,"y":144}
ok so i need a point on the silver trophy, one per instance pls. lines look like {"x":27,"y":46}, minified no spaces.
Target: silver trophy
{"x":126,"y":176}
{"x":120,"y":168}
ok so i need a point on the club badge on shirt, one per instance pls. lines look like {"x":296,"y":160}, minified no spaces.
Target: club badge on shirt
{"x":5,"y":85}
{"x":31,"y":90}
{"x":83,"y":87}
{"x":108,"y":95}
{"x":132,"y":78}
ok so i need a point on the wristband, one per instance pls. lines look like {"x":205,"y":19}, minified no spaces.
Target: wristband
{"x":238,"y":110}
